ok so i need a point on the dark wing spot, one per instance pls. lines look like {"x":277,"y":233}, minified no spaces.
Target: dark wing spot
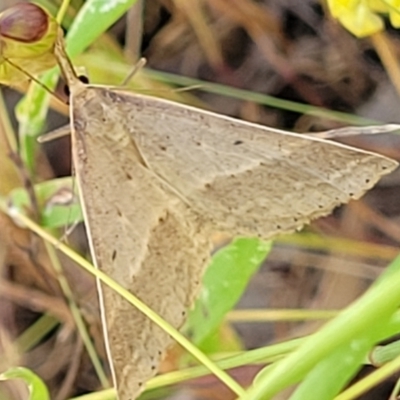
{"x":114,"y":255}
{"x":237,"y":142}
{"x":163,"y":148}
{"x":367,"y":180}
{"x":128,"y":175}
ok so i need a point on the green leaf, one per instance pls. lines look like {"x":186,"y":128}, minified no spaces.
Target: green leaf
{"x":94,"y":18}
{"x":223,"y":284}
{"x":37,"y":388}
{"x":342,"y":363}
{"x":60,"y":207}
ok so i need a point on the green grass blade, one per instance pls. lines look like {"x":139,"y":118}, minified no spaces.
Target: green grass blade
{"x":376,"y":306}
{"x":37,"y":389}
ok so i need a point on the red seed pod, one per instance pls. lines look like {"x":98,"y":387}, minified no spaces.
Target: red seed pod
{"x":25,"y":22}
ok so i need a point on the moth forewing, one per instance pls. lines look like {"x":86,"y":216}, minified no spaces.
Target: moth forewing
{"x":244,"y":178}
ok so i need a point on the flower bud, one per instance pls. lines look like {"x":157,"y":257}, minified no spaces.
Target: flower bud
{"x":25,"y":22}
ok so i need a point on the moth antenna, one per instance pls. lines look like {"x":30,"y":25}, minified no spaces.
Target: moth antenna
{"x":34,"y":79}
{"x":55,"y":134}
{"x":188,"y":88}
{"x":355,"y":131}
{"x":137,"y":67}
{"x":140,"y":64}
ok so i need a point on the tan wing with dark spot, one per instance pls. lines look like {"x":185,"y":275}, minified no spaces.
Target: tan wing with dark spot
{"x":243,"y":178}
{"x":141,"y":236}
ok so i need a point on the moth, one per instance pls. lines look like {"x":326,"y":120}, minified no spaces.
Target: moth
{"x":156,"y":178}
